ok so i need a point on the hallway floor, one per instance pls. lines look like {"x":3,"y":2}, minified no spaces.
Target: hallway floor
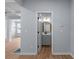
{"x":44,"y":54}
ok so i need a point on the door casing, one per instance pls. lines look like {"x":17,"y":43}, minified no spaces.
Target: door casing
{"x":51,"y":27}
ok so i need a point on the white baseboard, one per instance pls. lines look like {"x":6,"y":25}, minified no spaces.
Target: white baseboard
{"x":72,"y":55}
{"x":61,"y":53}
{"x":23,"y":53}
{"x":64,"y":54}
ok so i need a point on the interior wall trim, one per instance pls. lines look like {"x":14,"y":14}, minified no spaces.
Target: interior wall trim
{"x":23,"y":53}
{"x":64,"y":53}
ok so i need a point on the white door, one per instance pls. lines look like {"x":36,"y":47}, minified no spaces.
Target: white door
{"x":39,"y":31}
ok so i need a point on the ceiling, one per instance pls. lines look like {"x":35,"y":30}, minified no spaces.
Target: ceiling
{"x":9,"y":0}
{"x":12,"y":9}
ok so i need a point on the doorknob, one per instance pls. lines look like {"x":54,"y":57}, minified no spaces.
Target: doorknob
{"x":38,"y":46}
{"x":38,"y":32}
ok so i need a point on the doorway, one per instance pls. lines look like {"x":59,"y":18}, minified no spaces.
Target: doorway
{"x":15,"y":34}
{"x":14,"y":29}
{"x":44,"y":31}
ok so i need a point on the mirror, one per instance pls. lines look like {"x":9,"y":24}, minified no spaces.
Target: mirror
{"x":46,"y":27}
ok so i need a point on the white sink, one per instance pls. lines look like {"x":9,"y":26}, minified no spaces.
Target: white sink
{"x":46,"y":34}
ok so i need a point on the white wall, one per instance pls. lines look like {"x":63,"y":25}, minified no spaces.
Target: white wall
{"x":61,"y":24}
{"x":72,"y":28}
{"x":28,"y":32}
{"x":6,"y":29}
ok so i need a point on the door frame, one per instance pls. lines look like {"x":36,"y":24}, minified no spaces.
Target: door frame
{"x":51,"y":28}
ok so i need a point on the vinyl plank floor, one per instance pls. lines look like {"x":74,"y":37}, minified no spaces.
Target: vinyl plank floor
{"x":45,"y":52}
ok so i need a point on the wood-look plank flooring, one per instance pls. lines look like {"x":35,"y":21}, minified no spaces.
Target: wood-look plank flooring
{"x":45,"y":53}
